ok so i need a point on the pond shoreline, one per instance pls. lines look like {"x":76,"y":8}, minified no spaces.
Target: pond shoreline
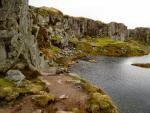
{"x":122,"y":81}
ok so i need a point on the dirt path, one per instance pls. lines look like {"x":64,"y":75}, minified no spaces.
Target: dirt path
{"x":75,"y":96}
{"x":69,"y":96}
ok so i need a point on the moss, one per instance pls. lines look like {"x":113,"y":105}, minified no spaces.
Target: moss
{"x":87,"y":86}
{"x":6,"y":83}
{"x":44,"y":11}
{"x":144,"y":65}
{"x":56,"y":38}
{"x":75,"y":110}
{"x":73,"y":40}
{"x":50,"y":53}
{"x":109,"y":47}
{"x":99,"y":103}
{"x":9,"y":91}
{"x":43,"y":99}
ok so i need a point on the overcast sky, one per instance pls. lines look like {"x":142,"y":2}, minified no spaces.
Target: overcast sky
{"x":133,"y":13}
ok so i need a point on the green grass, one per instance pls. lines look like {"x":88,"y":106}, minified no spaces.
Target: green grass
{"x":56,"y":38}
{"x":109,"y":47}
{"x":55,"y":49}
{"x":44,"y":11}
{"x":6,"y":83}
{"x":9,"y":91}
{"x":98,"y":101}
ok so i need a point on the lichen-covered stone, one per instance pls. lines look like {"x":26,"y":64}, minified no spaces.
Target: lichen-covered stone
{"x":117,"y":31}
{"x":141,"y":34}
{"x":15,"y":75}
{"x":16,"y":40}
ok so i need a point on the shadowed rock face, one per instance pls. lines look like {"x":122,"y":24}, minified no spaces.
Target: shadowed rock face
{"x":16,"y":41}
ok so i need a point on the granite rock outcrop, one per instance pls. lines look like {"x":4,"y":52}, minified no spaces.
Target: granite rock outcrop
{"x":17,"y":44}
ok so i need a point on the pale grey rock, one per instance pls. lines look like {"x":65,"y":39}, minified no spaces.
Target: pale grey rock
{"x":16,"y":40}
{"x":42,"y":21}
{"x":118,"y":31}
{"x":15,"y":75}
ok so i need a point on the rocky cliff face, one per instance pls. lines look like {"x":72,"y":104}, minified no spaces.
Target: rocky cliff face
{"x":24,"y":31}
{"x":63,"y":26}
{"x":118,"y":31}
{"x":51,"y":23}
{"x":16,"y":42}
{"x":54,"y":24}
{"x":141,"y":34}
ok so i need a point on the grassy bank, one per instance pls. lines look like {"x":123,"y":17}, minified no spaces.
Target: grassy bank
{"x":88,"y":46}
{"x":63,"y":92}
{"x":109,"y":47}
{"x":143,"y":65}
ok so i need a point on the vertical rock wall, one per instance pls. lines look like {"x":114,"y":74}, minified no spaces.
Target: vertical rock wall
{"x":16,"y":42}
{"x":117,"y":31}
{"x":141,"y":34}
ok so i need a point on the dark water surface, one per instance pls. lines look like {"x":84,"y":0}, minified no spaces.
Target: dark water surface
{"x":129,"y":86}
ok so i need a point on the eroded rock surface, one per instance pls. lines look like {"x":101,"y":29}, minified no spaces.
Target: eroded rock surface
{"x":16,"y":41}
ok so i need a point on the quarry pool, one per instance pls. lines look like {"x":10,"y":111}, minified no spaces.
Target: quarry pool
{"x":127,"y":85}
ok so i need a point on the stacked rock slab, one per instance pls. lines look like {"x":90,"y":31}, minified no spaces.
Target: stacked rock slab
{"x":16,"y":41}
{"x":141,"y":34}
{"x":118,"y":31}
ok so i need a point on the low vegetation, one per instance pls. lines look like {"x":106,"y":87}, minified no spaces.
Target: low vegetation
{"x":98,"y":101}
{"x":143,"y":65}
{"x":10,"y":91}
{"x":109,"y":47}
{"x":44,"y":11}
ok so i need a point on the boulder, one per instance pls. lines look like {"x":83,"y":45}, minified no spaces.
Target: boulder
{"x":15,"y":75}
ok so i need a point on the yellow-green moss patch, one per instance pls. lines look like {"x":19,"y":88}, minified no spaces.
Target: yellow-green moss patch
{"x":99,"y":103}
{"x":9,"y":91}
{"x":109,"y":47}
{"x":43,"y":99}
{"x":44,"y":11}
